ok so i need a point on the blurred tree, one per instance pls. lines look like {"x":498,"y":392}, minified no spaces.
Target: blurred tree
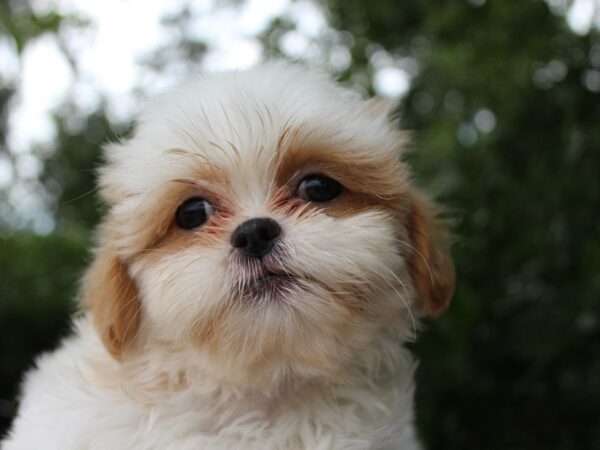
{"x":38,"y":278}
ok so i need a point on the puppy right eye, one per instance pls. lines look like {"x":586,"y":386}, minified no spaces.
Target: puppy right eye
{"x":193,"y":213}
{"x":319,"y":188}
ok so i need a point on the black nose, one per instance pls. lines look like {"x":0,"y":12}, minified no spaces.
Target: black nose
{"x":256,"y":237}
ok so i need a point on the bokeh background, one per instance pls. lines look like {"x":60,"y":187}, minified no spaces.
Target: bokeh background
{"x":504,"y":100}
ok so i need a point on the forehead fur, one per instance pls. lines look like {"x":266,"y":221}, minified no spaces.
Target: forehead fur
{"x":236,"y":120}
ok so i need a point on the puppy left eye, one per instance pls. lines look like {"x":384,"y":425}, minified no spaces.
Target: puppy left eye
{"x":193,"y":213}
{"x":319,"y":188}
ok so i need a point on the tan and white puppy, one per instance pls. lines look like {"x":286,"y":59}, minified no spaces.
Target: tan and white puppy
{"x":263,"y":259}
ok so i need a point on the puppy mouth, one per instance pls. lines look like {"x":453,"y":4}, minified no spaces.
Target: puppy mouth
{"x":271,"y":284}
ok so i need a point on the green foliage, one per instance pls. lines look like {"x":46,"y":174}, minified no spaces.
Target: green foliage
{"x":38,"y":278}
{"x":69,"y":173}
{"x":23,"y":25}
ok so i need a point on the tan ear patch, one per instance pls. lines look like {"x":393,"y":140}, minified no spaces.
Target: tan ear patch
{"x":113,"y":299}
{"x":430,"y":263}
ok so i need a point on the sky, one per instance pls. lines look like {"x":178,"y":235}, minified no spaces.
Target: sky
{"x":108,"y":55}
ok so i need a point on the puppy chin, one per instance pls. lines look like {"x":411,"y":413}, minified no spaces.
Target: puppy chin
{"x":271,"y":330}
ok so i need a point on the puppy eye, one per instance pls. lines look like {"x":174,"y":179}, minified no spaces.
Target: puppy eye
{"x":193,"y":212}
{"x":319,"y":188}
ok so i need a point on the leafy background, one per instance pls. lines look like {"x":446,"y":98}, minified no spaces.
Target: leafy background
{"x":504,"y":101}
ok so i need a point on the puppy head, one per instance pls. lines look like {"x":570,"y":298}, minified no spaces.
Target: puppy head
{"x":267,"y":220}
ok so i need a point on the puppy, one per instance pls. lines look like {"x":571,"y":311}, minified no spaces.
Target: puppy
{"x":263,"y":259}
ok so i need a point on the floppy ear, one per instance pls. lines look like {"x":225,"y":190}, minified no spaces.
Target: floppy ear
{"x":112,"y":297}
{"x":430,"y":263}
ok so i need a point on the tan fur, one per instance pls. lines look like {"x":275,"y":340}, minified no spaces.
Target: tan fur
{"x":382,"y":175}
{"x":113,"y":299}
{"x":431,"y":266}
{"x":378,"y":106}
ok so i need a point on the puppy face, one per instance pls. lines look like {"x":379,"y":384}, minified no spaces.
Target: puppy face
{"x":265,"y":219}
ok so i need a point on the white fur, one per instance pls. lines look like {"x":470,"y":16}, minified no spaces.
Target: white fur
{"x":171,"y":393}
{"x":79,"y":398}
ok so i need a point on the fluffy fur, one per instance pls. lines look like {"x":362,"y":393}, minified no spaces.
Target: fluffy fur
{"x":171,"y":352}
